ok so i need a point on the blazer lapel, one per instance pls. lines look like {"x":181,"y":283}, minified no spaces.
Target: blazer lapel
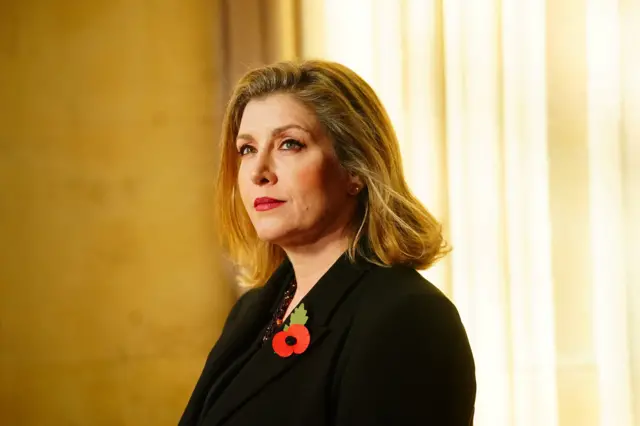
{"x":233,"y":341}
{"x":266,"y":365}
{"x":257,"y":316}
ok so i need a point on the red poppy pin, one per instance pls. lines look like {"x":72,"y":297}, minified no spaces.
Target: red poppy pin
{"x":295,"y":337}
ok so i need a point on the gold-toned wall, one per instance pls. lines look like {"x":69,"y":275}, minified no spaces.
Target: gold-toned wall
{"x":111,"y":289}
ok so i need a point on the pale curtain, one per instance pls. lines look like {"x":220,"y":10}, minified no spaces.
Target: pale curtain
{"x":519,"y":123}
{"x":255,"y":33}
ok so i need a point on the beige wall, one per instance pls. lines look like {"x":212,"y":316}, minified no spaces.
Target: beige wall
{"x":111,"y":293}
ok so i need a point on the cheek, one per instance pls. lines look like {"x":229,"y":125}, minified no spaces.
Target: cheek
{"x":243,"y":185}
{"x":318,"y":185}
{"x":309,"y":180}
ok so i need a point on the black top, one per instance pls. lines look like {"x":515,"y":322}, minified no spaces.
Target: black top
{"x":387,"y":348}
{"x":226,"y":377}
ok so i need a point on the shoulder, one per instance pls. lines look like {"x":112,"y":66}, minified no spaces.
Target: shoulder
{"x":398,"y":280}
{"x":406,"y":357}
{"x":244,"y":304}
{"x":249,"y":296}
{"x":389,"y":293}
{"x":398,"y":304}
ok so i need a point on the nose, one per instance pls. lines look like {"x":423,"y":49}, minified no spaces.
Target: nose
{"x":262,"y":173}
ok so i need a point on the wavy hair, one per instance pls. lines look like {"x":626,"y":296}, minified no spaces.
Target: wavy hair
{"x":390,"y":227}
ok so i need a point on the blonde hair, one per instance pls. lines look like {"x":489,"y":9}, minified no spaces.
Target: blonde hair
{"x":391,"y":226}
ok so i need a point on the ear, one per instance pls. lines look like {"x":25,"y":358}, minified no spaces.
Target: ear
{"x":355,"y":185}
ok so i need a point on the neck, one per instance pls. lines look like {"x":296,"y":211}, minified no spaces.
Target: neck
{"x":312,"y":261}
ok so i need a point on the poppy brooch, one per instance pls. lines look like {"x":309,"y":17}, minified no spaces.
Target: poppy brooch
{"x":295,"y":337}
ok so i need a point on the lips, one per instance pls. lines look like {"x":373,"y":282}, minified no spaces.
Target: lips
{"x":266,"y":203}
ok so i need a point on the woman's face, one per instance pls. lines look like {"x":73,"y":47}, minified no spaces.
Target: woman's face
{"x":291,"y":183}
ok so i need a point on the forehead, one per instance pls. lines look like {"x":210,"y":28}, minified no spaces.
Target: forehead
{"x":273,"y":111}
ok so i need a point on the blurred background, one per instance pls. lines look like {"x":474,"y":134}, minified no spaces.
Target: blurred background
{"x":519,"y":123}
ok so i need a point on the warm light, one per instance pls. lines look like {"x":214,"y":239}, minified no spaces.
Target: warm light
{"x":348,"y":40}
{"x":425,"y":163}
{"x":465,"y":84}
{"x":605,"y":191}
{"x":475,"y":191}
{"x":527,"y":212}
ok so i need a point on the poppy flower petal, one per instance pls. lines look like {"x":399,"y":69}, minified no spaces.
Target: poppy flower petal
{"x":303,"y":338}
{"x":280,"y":345}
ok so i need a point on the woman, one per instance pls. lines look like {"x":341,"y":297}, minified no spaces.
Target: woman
{"x":339,"y":328}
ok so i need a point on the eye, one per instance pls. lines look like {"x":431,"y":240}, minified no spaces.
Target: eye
{"x":245,"y":149}
{"x":291,"y":144}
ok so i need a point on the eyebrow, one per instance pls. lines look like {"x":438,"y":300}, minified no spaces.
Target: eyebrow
{"x":276,"y":131}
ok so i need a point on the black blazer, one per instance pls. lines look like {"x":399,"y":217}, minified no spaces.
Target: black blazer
{"x":387,"y":348}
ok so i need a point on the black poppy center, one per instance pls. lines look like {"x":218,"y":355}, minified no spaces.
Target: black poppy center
{"x":290,"y":340}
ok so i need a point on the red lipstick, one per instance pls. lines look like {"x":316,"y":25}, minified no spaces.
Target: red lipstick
{"x":266,"y":203}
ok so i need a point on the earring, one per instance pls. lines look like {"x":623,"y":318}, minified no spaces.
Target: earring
{"x":355,"y":189}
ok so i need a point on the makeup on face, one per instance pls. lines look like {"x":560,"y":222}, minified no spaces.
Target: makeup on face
{"x":262,"y":204}
{"x":289,"y":177}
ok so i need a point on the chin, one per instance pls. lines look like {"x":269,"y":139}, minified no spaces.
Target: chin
{"x":273,"y":229}
{"x":271,"y":235}
{"x":280,"y":236}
